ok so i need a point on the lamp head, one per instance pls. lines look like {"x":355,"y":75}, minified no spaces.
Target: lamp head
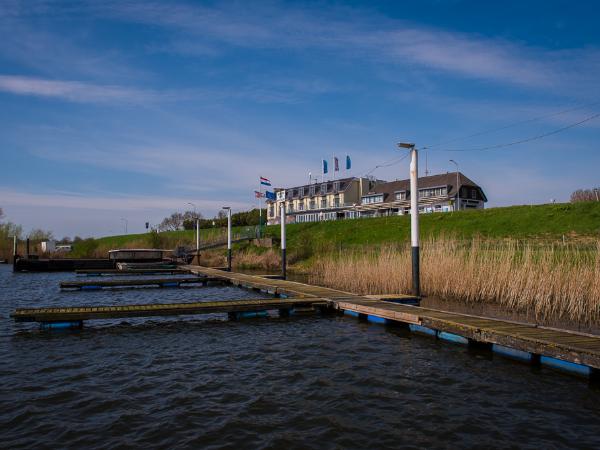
{"x":406,"y":145}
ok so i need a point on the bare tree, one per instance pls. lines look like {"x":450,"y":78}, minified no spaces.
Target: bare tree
{"x":37,"y":234}
{"x":172,"y":223}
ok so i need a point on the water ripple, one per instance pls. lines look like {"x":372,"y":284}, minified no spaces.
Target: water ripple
{"x":307,"y":382}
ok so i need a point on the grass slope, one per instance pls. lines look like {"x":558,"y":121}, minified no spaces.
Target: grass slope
{"x":550,"y":222}
{"x":537,"y":222}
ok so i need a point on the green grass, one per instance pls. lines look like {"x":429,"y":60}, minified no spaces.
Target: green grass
{"x":546,"y":222}
{"x":538,"y":222}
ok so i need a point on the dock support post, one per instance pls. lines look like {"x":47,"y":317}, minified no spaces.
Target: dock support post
{"x":27,"y":248}
{"x":14,"y":253}
{"x":414,"y":221}
{"x":283,"y":244}
{"x":228,"y":238}
{"x":198,"y":240}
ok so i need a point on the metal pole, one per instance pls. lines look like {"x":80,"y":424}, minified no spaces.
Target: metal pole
{"x":414,"y":221}
{"x":14,"y":252}
{"x":457,"y":204}
{"x":197,"y":241}
{"x":283,"y":246}
{"x":229,"y":240}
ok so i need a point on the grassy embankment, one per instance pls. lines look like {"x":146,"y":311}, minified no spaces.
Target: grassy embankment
{"x":539,"y":259}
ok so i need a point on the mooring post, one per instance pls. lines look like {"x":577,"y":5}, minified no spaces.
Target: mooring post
{"x":14,"y":253}
{"x":283,"y":245}
{"x":414,"y":220}
{"x":197,"y":240}
{"x":27,"y":248}
{"x":228,"y":238}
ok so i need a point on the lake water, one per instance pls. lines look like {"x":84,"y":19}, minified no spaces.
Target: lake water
{"x":302,"y":382}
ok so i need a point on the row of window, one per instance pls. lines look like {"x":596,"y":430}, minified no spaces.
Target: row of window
{"x":423,"y":193}
{"x":315,"y":189}
{"x":316,"y":217}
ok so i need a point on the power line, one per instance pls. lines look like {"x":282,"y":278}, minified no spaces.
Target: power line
{"x":514,"y":124}
{"x":389,"y":163}
{"x":521,"y":141}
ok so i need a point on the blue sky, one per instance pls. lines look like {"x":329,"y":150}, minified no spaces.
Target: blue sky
{"x":131,"y":109}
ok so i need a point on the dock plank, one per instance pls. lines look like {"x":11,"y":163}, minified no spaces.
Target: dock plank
{"x":565,"y":345}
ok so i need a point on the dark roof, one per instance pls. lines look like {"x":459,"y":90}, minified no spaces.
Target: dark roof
{"x":445,"y":179}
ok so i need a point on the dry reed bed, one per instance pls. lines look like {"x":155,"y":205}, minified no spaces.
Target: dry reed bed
{"x":551,"y":282}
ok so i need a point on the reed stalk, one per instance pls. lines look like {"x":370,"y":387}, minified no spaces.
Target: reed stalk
{"x":548,"y":282}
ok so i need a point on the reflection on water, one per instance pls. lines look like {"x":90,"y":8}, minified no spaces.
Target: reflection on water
{"x":306,"y":382}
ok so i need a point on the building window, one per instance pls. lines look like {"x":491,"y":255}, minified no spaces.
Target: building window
{"x":336,"y":186}
{"x":295,"y":193}
{"x":372,"y":199}
{"x":312,"y":204}
{"x":401,"y":195}
{"x":324,"y":188}
{"x":301,"y":192}
{"x":323,"y":202}
{"x":433,"y":192}
{"x":300,"y":206}
{"x":311,"y":190}
{"x":474,"y":194}
{"x":336,"y":201}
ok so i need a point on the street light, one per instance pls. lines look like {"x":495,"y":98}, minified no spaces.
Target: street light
{"x":457,"y":205}
{"x":414,"y":215}
{"x":126,"y":223}
{"x":197,"y":232}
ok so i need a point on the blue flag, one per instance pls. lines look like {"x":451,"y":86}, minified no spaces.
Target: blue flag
{"x":348,"y":162}
{"x":325,"y":166}
{"x":270,"y":195}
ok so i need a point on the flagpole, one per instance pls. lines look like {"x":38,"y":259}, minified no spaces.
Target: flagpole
{"x":260,"y":208}
{"x":333,"y":161}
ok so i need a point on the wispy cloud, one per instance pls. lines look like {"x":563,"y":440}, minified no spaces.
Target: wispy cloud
{"x":362,"y":35}
{"x":74,"y":90}
{"x":109,"y":203}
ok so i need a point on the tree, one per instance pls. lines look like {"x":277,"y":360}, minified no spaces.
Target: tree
{"x":1,"y":213}
{"x":172,"y":223}
{"x":189,"y":219}
{"x":37,"y":234}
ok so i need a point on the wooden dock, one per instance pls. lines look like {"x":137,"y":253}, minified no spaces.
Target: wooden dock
{"x":75,"y":314}
{"x":559,"y":348}
{"x":117,"y":272}
{"x":157,"y":282}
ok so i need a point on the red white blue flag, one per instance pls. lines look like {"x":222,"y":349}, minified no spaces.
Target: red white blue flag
{"x":258,"y":194}
{"x":265,"y":181}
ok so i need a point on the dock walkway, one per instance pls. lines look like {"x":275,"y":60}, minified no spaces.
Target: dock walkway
{"x":534,"y":343}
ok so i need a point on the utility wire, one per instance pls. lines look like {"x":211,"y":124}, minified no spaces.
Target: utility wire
{"x":389,"y":163}
{"x":521,"y":141}
{"x":514,"y":124}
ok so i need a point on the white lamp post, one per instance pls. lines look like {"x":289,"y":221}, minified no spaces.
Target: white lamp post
{"x":414,"y":216}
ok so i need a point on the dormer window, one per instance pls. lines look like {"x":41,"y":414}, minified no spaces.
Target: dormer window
{"x":376,"y":198}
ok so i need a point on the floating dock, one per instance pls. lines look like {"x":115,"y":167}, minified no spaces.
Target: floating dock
{"x":78,"y":314}
{"x":117,"y":272}
{"x":157,"y":282}
{"x":575,"y":352}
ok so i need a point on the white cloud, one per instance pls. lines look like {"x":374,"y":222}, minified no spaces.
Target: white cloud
{"x":110,"y":203}
{"x":73,"y":90}
{"x":363,"y":35}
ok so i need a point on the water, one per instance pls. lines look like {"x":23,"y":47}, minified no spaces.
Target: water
{"x":306,"y":382}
